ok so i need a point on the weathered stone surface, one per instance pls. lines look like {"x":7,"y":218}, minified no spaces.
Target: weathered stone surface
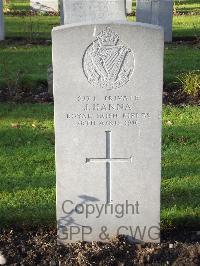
{"x":2,"y":34}
{"x":157,"y":12}
{"x":108,"y":102}
{"x":78,"y":11}
{"x":44,"y":5}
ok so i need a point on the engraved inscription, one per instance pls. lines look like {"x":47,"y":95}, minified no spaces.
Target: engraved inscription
{"x":107,"y":62}
{"x":108,"y":160}
{"x":107,"y":110}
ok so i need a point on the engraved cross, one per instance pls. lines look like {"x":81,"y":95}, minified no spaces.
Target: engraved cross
{"x":108,"y":160}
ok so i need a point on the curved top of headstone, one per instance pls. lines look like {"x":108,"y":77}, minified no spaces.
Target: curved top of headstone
{"x":80,"y":11}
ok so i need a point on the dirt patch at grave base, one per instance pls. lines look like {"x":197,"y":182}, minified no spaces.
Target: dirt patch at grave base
{"x":175,"y":96}
{"x":171,"y":95}
{"x":37,"y":246}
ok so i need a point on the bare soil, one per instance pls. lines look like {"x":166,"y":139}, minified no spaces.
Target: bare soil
{"x":37,"y":246}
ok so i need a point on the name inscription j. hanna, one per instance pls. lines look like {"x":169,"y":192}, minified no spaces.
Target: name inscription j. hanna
{"x":107,"y":62}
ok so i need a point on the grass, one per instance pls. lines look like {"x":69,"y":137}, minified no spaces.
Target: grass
{"x":183,"y":26}
{"x":187,"y":6}
{"x":27,"y":174}
{"x":33,"y":60}
{"x":18,"y":5}
{"x":179,"y":59}
{"x":30,"y":27}
{"x":182,"y":6}
{"x":39,"y":27}
{"x":186,"y":26}
{"x":181,"y":165}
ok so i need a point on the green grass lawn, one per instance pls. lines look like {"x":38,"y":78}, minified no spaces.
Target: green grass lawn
{"x":186,"y":26}
{"x":183,"y":26}
{"x":39,"y":27}
{"x":33,"y":60}
{"x":27,"y":176}
{"x":182,"y":6}
{"x":18,"y":5}
{"x":179,"y":59}
{"x":181,"y":167}
{"x":30,"y":60}
{"x":30,"y":27}
{"x":187,"y":6}
{"x":27,"y":173}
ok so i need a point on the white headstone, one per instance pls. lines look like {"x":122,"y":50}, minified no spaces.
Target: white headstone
{"x":157,"y":12}
{"x":108,"y":102}
{"x":129,"y":6}
{"x":2,"y":34}
{"x":80,"y":11}
{"x":44,"y":5}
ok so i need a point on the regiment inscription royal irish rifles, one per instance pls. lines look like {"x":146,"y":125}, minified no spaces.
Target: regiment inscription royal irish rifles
{"x":107,"y":62}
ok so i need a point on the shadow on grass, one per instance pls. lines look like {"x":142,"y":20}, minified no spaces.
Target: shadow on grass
{"x":180,"y":171}
{"x":14,"y":184}
{"x":35,"y":38}
{"x":180,"y":204}
{"x":38,"y":213}
{"x":183,"y":194}
{"x":27,"y":157}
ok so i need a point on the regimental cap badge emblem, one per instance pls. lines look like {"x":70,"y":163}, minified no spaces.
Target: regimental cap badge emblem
{"x":107,"y":62}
